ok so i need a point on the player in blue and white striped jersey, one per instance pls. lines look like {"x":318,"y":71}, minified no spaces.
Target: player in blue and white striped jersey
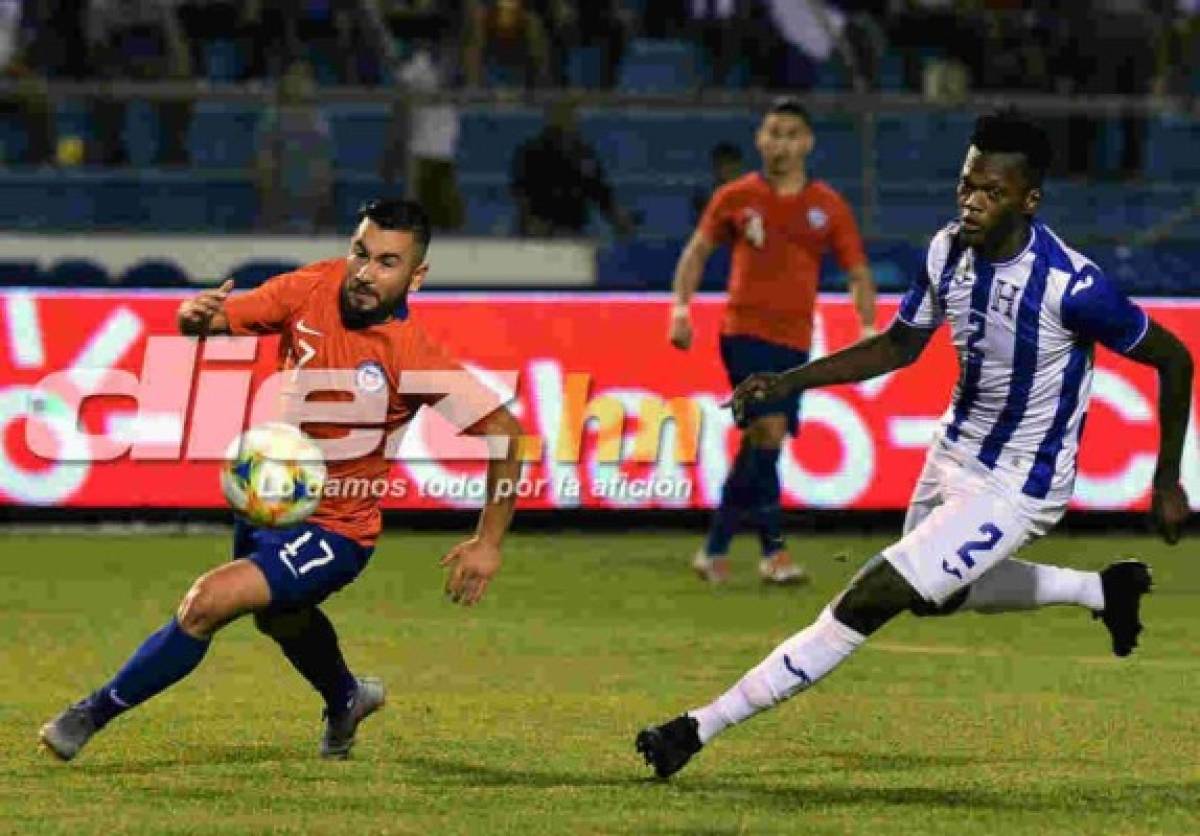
{"x":1025,"y":313}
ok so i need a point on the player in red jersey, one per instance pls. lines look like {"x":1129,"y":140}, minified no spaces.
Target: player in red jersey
{"x":346,"y":315}
{"x":779,"y":223}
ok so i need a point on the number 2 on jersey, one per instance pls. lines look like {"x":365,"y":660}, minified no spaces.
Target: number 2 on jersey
{"x":965,"y":552}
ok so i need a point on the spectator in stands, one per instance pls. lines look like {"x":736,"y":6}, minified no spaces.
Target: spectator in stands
{"x":506,"y":46}
{"x":727,"y":165}
{"x":1178,"y":57}
{"x":601,"y":25}
{"x":423,"y":136}
{"x":294,"y":163}
{"x":1112,"y":49}
{"x":138,"y":40}
{"x":556,"y":177}
{"x":286,"y":31}
{"x":56,"y":44}
{"x":939,"y":30}
{"x":721,"y":28}
{"x":206,"y":21}
{"x":29,"y":103}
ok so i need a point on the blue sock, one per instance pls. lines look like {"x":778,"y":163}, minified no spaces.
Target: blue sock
{"x":163,"y":659}
{"x":313,"y":650}
{"x":768,"y":515}
{"x":737,"y":496}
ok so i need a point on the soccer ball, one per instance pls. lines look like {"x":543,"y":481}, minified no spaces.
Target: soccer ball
{"x":273,"y":475}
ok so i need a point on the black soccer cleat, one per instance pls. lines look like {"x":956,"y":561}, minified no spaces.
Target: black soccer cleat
{"x":1124,"y":583}
{"x":669,"y":746}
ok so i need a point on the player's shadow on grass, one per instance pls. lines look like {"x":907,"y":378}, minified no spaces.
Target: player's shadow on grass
{"x":191,"y":756}
{"x":480,"y":775}
{"x":1102,"y":797}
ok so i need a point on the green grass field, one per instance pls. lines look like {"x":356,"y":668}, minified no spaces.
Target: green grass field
{"x":518,"y":716}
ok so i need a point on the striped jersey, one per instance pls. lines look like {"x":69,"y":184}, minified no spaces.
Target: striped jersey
{"x":1024,"y":331}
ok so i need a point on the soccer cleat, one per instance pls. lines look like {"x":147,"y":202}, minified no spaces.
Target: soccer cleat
{"x":1124,"y":583}
{"x":669,"y":746}
{"x":715,"y":570}
{"x":69,"y":732}
{"x":779,"y":569}
{"x":338,"y":739}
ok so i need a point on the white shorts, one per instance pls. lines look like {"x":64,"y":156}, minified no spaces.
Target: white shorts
{"x":963,"y":519}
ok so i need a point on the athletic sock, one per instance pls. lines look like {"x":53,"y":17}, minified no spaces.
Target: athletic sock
{"x":768,"y":515}
{"x":792,"y":667}
{"x":315,"y":653}
{"x":166,"y":657}
{"x":737,"y":495}
{"x":1017,"y":585}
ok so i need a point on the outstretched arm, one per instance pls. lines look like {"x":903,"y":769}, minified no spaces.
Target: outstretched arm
{"x":898,"y":346}
{"x":474,"y":562}
{"x":1163,"y":350}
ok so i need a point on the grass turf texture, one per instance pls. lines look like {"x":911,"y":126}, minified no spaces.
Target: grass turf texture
{"x":518,"y":716}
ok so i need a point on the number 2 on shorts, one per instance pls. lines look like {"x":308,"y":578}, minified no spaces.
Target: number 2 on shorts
{"x":993,"y":535}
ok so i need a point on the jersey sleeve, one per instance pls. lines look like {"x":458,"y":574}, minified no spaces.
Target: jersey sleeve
{"x":919,"y":307}
{"x":1095,"y":308}
{"x":264,"y":310}
{"x":844,"y":235}
{"x":715,"y":224}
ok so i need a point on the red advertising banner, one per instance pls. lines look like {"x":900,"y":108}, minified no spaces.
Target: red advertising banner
{"x":615,"y":417}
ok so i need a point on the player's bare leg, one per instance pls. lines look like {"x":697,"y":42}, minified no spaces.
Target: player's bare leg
{"x":875,"y":596}
{"x":167,"y":656}
{"x":1113,"y":595}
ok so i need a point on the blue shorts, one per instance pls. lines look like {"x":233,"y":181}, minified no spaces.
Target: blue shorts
{"x":304,"y":564}
{"x":743,"y":356}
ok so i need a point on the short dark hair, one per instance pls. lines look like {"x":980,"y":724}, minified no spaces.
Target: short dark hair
{"x":726,"y":151}
{"x":1008,"y":132}
{"x":790,"y":106}
{"x":397,"y":213}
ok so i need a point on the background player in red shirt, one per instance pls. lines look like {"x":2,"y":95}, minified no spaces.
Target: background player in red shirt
{"x":345,"y":314}
{"x":779,"y":223}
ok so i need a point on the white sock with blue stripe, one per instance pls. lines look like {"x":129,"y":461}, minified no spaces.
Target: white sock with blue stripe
{"x":792,"y":667}
{"x":1013,"y":585}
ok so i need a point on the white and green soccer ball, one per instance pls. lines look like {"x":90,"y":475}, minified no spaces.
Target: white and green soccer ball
{"x":273,"y":475}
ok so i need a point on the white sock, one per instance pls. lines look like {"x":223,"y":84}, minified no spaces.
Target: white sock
{"x":1017,"y":585}
{"x":790,"y":668}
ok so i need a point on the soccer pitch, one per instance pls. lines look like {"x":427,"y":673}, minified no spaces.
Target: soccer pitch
{"x":518,"y":716}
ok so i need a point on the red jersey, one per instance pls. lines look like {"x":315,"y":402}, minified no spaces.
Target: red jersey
{"x":778,"y":241}
{"x":302,"y":307}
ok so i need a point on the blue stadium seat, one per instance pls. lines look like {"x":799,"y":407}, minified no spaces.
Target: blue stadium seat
{"x":918,"y":145}
{"x":222,"y":134}
{"x":77,"y":272}
{"x":490,"y":136}
{"x":585,"y":66}
{"x":653,"y":66}
{"x":154,"y":273}
{"x":359,"y":133}
{"x":1171,"y":144}
{"x":489,"y":205}
{"x":254,"y":273}
{"x":142,"y":132}
{"x":222,"y":60}
{"x":17,"y":273}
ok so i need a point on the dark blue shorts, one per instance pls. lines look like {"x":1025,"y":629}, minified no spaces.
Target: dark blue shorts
{"x":304,"y":564}
{"x":743,"y":356}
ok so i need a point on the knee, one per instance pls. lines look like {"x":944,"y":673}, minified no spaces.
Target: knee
{"x":200,"y":614}
{"x":924,"y":609}
{"x":767,"y":432}
{"x":283,"y":625}
{"x":875,"y":597}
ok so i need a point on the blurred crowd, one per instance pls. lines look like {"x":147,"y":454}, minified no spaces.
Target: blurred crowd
{"x":943,"y":48}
